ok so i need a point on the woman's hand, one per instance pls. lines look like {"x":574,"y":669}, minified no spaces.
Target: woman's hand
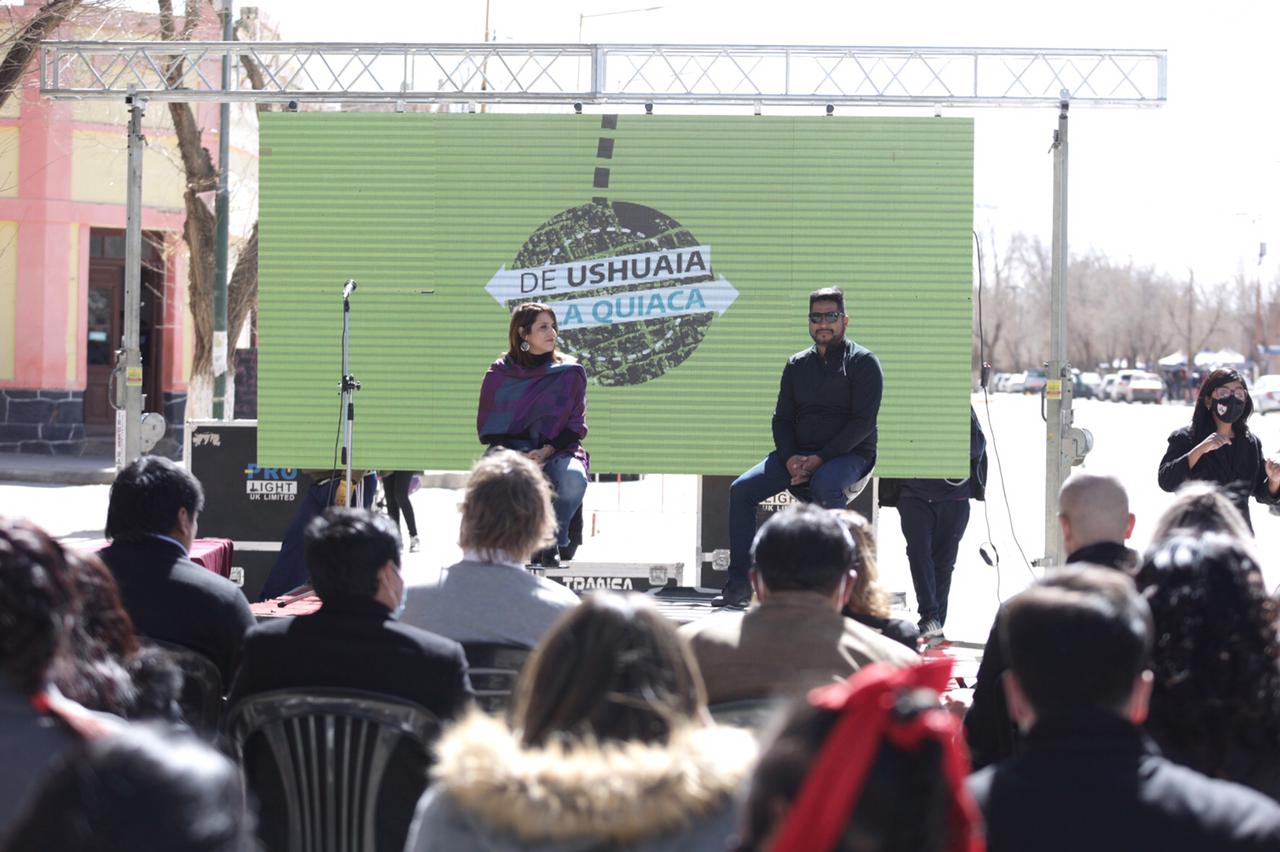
{"x":1273,"y":475}
{"x":1208,"y":445}
{"x":541,"y":454}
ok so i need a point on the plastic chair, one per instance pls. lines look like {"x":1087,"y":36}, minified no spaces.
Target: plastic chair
{"x":753,"y":713}
{"x":202,"y":689}
{"x":494,"y":669}
{"x":330,"y":751}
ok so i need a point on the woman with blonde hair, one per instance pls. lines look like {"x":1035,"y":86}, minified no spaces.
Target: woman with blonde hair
{"x":868,"y":602}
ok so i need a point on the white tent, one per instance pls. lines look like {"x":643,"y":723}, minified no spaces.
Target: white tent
{"x":1221,"y":358}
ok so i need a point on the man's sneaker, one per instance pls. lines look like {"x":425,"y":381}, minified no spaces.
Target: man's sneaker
{"x":735,"y":594}
{"x":931,"y":633}
{"x":414,"y":544}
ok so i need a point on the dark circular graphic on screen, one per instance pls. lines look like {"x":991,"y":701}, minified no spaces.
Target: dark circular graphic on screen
{"x":625,"y":352}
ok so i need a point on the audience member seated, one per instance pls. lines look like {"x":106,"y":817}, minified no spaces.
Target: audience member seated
{"x":608,"y":748}
{"x":868,"y":603}
{"x":872,"y":764}
{"x":36,"y":604}
{"x":151,"y":521}
{"x":490,"y":596}
{"x":95,"y":671}
{"x":796,"y":638}
{"x":354,"y":640}
{"x":1078,"y":644}
{"x":1215,"y":705}
{"x":1093,"y":513}
{"x":1201,"y":507}
{"x":142,"y":788}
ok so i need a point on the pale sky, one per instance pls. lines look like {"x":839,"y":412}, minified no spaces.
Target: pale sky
{"x":1188,"y":185}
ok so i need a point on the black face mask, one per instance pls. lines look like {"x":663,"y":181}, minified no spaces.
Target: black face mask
{"x":1227,"y":410}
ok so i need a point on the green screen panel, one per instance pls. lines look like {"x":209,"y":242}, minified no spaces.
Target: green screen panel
{"x":729,"y":222}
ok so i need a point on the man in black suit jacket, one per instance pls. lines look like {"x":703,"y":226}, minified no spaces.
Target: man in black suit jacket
{"x":1078,"y":644}
{"x":151,"y":521}
{"x":354,"y":642}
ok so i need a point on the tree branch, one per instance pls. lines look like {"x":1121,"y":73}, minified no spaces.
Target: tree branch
{"x":15,"y":62}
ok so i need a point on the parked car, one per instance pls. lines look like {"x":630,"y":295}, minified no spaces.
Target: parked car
{"x":1266,"y":394}
{"x":1091,"y":384}
{"x":1016,"y":383}
{"x":1107,"y":390}
{"x":1141,"y":387}
{"x":1033,"y":382}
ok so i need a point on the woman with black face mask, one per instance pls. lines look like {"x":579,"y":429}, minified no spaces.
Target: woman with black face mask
{"x":1218,"y":446}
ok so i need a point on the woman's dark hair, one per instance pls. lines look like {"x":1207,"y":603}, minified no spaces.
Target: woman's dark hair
{"x":612,"y":668}
{"x":146,"y":496}
{"x":1217,"y":679}
{"x":95,"y":669}
{"x":522,"y":319}
{"x":1202,"y":418}
{"x":904,"y":799}
{"x":144,"y":788}
{"x":36,"y":603}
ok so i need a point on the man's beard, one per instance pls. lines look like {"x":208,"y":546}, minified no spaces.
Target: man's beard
{"x":835,"y":338}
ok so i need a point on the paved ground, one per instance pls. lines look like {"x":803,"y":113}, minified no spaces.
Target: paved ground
{"x":655,"y":519}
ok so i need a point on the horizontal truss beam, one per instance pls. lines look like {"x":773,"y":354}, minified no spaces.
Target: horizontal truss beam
{"x":603,"y":74}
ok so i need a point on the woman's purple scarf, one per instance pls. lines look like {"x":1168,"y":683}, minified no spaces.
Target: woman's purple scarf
{"x":540,"y":401}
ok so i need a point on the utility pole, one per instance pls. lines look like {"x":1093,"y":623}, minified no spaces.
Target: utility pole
{"x":222,"y":207}
{"x":127,"y":375}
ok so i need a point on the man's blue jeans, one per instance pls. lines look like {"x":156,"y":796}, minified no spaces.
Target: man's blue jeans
{"x":766,"y":479}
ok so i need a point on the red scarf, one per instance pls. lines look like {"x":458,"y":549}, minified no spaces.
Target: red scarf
{"x":830,"y":791}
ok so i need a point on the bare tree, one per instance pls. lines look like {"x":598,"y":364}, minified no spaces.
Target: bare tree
{"x":24,"y":41}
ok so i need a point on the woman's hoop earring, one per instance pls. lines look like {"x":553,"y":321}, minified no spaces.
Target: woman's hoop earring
{"x":524,"y":346}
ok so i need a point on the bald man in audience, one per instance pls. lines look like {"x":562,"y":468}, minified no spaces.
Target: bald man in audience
{"x":1093,"y":512}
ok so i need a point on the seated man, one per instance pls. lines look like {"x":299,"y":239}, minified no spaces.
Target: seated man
{"x":1078,"y":644}
{"x":796,"y":638}
{"x":151,"y":521}
{"x":354,"y":641}
{"x":824,"y":432}
{"x":1093,"y":512}
{"x":490,"y":596}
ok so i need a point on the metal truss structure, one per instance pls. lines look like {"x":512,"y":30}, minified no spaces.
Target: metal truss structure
{"x":603,"y":74}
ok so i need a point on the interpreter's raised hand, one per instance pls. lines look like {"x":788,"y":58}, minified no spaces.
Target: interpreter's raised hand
{"x":1273,"y":474}
{"x":1213,"y":442}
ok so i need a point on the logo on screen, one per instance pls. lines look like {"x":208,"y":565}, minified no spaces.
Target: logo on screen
{"x":633,"y":290}
{"x":271,"y":483}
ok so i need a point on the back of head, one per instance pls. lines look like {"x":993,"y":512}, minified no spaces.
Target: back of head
{"x":146,"y":497}
{"x":1201,"y":507}
{"x":346,"y":548}
{"x":803,"y":548}
{"x":612,"y":668}
{"x":1096,"y":507}
{"x":807,"y":792}
{"x":143,"y":788}
{"x":37,"y":603}
{"x":1216,"y":678}
{"x":1077,"y":639}
{"x":94,"y":671}
{"x":507,"y":508}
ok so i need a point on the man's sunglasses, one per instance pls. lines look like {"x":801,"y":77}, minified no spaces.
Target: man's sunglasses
{"x":825,"y":316}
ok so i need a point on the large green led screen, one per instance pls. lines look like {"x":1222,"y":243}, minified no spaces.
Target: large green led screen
{"x":678,"y":252}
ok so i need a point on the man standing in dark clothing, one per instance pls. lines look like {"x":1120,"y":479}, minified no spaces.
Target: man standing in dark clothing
{"x":824,"y":432}
{"x":1078,"y":644}
{"x":934,"y":514}
{"x":1093,"y":512}
{"x":151,"y":521}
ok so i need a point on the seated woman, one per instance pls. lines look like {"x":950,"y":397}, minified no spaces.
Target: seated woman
{"x":534,"y":400}
{"x":609,"y":746}
{"x":871,"y":765}
{"x":868,"y":604}
{"x":1215,"y":705}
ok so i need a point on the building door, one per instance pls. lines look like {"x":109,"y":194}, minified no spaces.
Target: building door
{"x":106,"y":315}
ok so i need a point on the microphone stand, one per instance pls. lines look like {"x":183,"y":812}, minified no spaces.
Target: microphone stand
{"x":349,"y":387}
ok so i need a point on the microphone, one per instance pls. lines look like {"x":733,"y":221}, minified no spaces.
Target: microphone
{"x":348,"y":288}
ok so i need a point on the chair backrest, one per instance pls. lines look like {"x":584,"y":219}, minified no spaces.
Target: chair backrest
{"x":494,"y":668}
{"x":330,"y":751}
{"x":202,"y":688}
{"x":754,"y":713}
